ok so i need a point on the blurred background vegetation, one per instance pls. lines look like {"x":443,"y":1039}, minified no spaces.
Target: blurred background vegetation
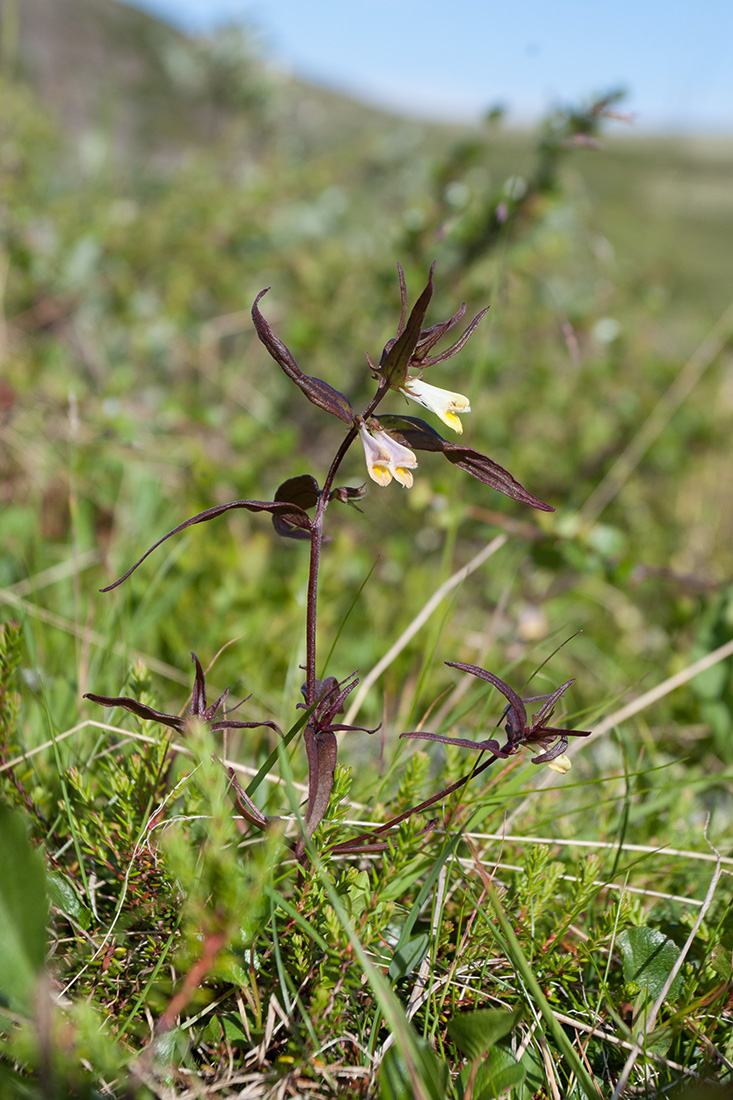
{"x":150,"y":186}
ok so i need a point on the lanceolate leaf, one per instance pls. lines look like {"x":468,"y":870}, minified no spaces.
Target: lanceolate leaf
{"x":322,"y":750}
{"x":199,"y":708}
{"x":419,"y":436}
{"x":315,"y":389}
{"x":422,"y":436}
{"x":399,"y":352}
{"x":295,"y":516}
{"x":485,"y":470}
{"x":432,"y":336}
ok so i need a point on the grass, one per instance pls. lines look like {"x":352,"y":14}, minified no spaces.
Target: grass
{"x":530,"y":935}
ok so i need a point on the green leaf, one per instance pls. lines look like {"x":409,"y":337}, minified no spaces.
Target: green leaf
{"x":500,"y":1071}
{"x":649,"y":956}
{"x":398,"y":886}
{"x":63,"y":896}
{"x":511,"y":947}
{"x":534,"y":1075}
{"x":475,"y":1032}
{"x":359,"y":892}
{"x":171,"y":1046}
{"x":394,"y":1078}
{"x":408,"y":955}
{"x":13,"y":1084}
{"x":422,"y":897}
{"x":23,"y":911}
{"x":233,"y":1029}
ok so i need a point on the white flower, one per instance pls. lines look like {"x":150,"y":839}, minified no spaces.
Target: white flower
{"x":561,"y":764}
{"x":386,"y":458}
{"x":442,"y":402}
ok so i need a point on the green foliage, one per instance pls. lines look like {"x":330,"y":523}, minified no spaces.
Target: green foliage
{"x":23,"y":912}
{"x":476,"y":1032}
{"x":133,"y":395}
{"x":648,"y":959}
{"x":427,"y":1080}
{"x":10,"y":656}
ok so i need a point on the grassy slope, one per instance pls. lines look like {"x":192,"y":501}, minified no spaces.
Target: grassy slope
{"x":128,"y":288}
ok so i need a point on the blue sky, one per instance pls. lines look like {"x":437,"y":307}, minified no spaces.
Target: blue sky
{"x":455,"y":58}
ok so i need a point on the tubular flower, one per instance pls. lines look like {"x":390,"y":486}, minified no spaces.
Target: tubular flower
{"x":442,"y":402}
{"x":561,"y":764}
{"x":386,"y":458}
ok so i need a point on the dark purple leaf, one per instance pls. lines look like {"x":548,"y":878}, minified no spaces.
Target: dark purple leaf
{"x":140,"y":709}
{"x":315,"y":389}
{"x":302,"y":491}
{"x":552,"y":738}
{"x":434,"y":335}
{"x":429,"y":337}
{"x":545,"y":712}
{"x":462,"y":742}
{"x":295,"y":516}
{"x":515,"y":701}
{"x":322,"y":750}
{"x":488,"y":472}
{"x":246,"y":806}
{"x":420,"y":436}
{"x":398,"y":352}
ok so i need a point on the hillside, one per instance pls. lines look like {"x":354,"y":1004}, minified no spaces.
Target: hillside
{"x":151,"y":95}
{"x":106,"y":66}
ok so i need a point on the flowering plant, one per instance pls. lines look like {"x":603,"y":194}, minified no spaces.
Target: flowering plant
{"x":298,"y":511}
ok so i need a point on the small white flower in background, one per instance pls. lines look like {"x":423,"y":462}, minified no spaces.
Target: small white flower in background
{"x":386,"y":458}
{"x":442,"y":402}
{"x":561,"y":764}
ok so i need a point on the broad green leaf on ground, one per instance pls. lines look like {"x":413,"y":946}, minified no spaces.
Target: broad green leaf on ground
{"x":649,"y":956}
{"x":64,"y":897}
{"x":475,"y":1032}
{"x":395,"y":1080}
{"x":534,"y":1078}
{"x":499,"y":1072}
{"x":23,"y":911}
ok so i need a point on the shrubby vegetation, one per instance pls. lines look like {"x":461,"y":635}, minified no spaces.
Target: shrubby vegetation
{"x":523,"y":927}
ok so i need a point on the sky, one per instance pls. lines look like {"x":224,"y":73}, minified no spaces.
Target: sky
{"x":455,"y":59}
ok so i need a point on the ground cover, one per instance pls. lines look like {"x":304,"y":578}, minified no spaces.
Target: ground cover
{"x":519,"y":936}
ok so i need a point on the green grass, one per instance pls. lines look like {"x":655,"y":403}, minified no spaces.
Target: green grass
{"x":514,"y":938}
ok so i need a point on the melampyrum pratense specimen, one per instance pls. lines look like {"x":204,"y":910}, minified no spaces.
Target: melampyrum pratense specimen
{"x":299,"y":510}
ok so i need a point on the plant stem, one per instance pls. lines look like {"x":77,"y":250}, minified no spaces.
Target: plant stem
{"x":311,"y":612}
{"x":316,"y":540}
{"x":366,"y":838}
